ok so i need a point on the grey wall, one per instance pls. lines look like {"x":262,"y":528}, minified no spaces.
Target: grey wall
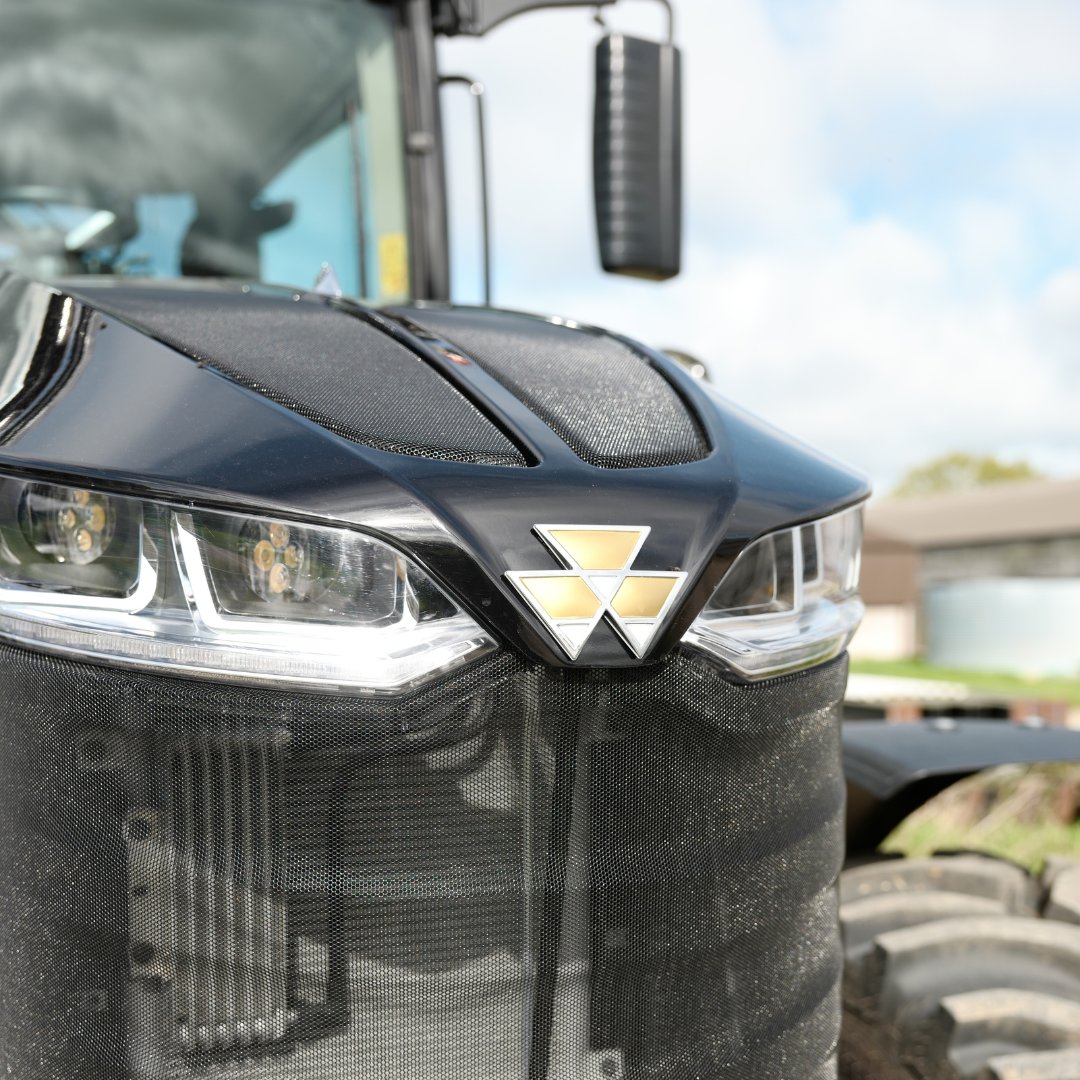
{"x":1022,"y":625}
{"x":1058,"y":557}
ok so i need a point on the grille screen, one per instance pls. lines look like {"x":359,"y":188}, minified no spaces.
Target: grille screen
{"x":604,"y":401}
{"x":330,"y":367}
{"x":517,"y":874}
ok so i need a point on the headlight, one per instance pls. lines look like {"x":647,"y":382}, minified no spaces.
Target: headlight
{"x":790,"y":600}
{"x":231,"y":595}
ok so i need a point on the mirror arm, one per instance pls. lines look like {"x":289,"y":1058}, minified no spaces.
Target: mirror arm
{"x":476,"y":89}
{"x":598,"y":16}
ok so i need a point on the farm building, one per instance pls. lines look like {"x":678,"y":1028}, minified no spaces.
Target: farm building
{"x":984,"y":579}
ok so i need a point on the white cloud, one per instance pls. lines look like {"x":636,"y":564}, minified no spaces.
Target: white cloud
{"x":1055,"y":328}
{"x":990,"y":242}
{"x":955,"y":58}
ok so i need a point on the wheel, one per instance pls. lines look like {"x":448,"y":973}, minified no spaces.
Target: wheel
{"x":960,"y":967}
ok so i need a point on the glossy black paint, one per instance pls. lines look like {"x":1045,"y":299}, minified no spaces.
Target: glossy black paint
{"x":137,"y":416}
{"x":53,"y":344}
{"x":893,"y":769}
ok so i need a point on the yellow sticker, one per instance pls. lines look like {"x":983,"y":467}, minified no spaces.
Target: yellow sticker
{"x":393,"y":266}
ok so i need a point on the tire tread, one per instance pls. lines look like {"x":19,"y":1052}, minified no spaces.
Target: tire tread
{"x":952,"y":973}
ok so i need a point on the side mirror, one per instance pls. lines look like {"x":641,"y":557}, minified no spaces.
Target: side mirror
{"x":637,"y":157}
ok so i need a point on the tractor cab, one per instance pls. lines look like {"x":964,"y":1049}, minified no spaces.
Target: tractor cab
{"x":263,"y":140}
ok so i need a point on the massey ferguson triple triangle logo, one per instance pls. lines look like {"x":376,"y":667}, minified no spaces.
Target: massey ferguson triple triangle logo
{"x":599,"y":582}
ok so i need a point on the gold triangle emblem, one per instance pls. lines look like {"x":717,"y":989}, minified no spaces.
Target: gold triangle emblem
{"x":598,"y":582}
{"x":599,"y":549}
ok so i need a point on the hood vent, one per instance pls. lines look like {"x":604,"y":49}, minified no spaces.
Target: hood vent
{"x":325,"y":365}
{"x":611,"y":407}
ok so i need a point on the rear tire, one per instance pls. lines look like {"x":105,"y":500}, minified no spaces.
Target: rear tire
{"x":960,"y":967}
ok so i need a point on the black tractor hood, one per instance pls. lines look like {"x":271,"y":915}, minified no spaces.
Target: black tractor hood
{"x":451,"y":432}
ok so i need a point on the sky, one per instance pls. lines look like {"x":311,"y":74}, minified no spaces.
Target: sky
{"x":882,"y":229}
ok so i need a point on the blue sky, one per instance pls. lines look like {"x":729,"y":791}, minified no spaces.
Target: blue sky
{"x":883,"y":213}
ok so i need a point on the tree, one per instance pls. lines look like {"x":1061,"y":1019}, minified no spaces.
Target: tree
{"x":958,"y":471}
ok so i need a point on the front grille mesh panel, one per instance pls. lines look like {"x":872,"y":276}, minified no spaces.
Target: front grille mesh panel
{"x":515,"y":874}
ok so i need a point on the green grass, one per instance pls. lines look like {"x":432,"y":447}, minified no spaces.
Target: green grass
{"x":1056,"y":689}
{"x":1028,"y":845}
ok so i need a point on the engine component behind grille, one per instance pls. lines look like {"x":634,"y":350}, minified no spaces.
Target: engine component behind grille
{"x":604,"y":401}
{"x":515,"y":874}
{"x":207,"y":916}
{"x":328,"y":366}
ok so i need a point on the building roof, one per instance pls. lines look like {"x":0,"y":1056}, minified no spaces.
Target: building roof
{"x":994,"y":514}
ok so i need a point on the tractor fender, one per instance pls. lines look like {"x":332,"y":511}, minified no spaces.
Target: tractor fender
{"x":892,"y":769}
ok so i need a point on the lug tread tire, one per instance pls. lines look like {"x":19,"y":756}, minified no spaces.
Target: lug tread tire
{"x":864,"y":919}
{"x":1063,"y":899}
{"x":950,"y":973}
{"x":982,"y":1025}
{"x":965,"y":875}
{"x":1060,"y":1065}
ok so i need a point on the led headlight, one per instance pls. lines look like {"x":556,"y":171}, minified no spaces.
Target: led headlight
{"x":790,"y":600}
{"x":236,"y":596}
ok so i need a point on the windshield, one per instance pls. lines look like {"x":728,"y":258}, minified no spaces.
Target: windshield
{"x":250,"y":138}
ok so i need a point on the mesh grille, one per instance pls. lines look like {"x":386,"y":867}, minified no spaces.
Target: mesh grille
{"x":605,"y":402}
{"x":518,"y":874}
{"x":328,"y":366}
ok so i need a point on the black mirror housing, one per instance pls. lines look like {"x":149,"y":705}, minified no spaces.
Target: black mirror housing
{"x":637,"y":157}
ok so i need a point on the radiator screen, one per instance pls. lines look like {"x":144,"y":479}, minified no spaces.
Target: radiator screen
{"x":515,"y":874}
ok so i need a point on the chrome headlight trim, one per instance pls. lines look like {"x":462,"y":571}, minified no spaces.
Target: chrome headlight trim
{"x":789,"y":601}
{"x":173,"y":592}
